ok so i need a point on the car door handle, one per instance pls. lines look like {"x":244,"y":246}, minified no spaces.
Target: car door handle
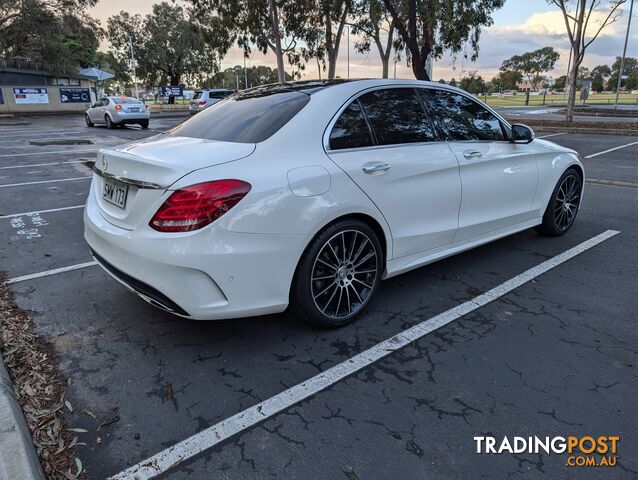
{"x":472,"y":154}
{"x":375,"y":167}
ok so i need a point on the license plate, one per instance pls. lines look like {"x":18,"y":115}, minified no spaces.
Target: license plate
{"x":133,"y":109}
{"x":115,"y":193}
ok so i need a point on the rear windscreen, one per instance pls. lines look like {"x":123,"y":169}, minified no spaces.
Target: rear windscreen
{"x":197,"y":95}
{"x":126,"y":100}
{"x":243,"y":118}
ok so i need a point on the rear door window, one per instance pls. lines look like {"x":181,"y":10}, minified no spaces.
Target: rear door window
{"x":462,"y":118}
{"x":247,"y":118}
{"x":351,"y":129}
{"x":397,"y":116}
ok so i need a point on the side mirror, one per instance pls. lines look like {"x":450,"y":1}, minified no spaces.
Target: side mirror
{"x":522,"y":133}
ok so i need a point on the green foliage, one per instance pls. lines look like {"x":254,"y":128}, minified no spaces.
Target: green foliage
{"x":453,"y":83}
{"x":57,"y":33}
{"x":507,"y":80}
{"x":172,"y":45}
{"x":432,"y":27}
{"x":233,"y":77}
{"x":560,"y":82}
{"x":533,"y":64}
{"x":631,"y":66}
{"x":473,"y":83}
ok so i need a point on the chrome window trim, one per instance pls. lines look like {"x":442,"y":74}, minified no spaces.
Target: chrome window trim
{"x":130,"y":181}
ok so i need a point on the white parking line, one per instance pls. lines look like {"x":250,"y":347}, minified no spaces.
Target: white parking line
{"x":44,"y":164}
{"x":211,"y":436}
{"x":24,"y":214}
{"x":46,"y":273}
{"x":46,"y":153}
{"x":552,"y":135}
{"x":44,"y":181}
{"x":611,"y":150}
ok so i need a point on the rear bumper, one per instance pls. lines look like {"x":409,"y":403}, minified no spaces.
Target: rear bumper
{"x":132,"y":117}
{"x":208,"y":274}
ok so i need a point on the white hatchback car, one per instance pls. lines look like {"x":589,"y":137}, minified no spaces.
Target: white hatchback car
{"x":310,"y":193}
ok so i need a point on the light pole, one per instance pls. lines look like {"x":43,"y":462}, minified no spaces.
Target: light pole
{"x":348,"y":45}
{"x":130,"y":42}
{"x":624,"y":52}
{"x":245,"y":74}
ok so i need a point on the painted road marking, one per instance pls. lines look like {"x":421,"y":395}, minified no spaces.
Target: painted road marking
{"x":611,"y":183}
{"x":211,"y":436}
{"x":47,"y":273}
{"x":611,"y":150}
{"x":44,"y":181}
{"x":46,"y":164}
{"x":12,"y":215}
{"x":46,"y":153}
{"x":552,"y":135}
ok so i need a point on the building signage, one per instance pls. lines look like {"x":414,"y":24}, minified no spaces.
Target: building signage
{"x":75,"y":95}
{"x":172,"y":91}
{"x":30,"y":95}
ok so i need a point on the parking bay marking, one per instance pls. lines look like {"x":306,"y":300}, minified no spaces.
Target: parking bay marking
{"x":611,"y":150}
{"x":13,"y":215}
{"x":47,"y":273}
{"x":46,"y":164}
{"x":46,"y":153}
{"x":552,"y":135}
{"x":45,"y":181}
{"x":211,"y":436}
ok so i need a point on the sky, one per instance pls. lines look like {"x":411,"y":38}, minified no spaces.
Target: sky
{"x":520,"y":26}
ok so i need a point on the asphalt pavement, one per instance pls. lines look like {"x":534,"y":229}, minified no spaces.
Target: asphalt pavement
{"x":554,"y":356}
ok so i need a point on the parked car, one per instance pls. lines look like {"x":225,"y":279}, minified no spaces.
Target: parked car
{"x":116,"y":111}
{"x":309,"y":194}
{"x":205,"y":98}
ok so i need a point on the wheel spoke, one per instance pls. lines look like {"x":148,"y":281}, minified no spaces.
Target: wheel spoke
{"x":334,"y":253}
{"x":325,"y":277}
{"x":354,"y":245}
{"x":362,"y":283}
{"x":331,"y":297}
{"x":343,"y":245}
{"x":325,"y":290}
{"x":356,"y":293}
{"x":348,"y":299}
{"x":366,"y":258}
{"x":328,"y":264}
{"x":339,"y":302}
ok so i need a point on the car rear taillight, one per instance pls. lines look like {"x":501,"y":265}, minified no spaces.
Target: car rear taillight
{"x":118,"y":107}
{"x":194,"y":207}
{"x":202,"y":102}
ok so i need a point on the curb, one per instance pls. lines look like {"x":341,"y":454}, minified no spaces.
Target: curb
{"x":593,"y":131}
{"x":18,"y":458}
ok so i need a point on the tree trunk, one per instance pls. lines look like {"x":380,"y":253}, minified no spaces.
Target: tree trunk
{"x":573,"y":76}
{"x":386,"y":61}
{"x":274,"y":18}
{"x":418,"y":67}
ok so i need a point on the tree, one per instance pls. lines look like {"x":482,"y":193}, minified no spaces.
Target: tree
{"x":598,"y":75}
{"x":473,"y":83}
{"x":560,"y":82}
{"x":58,"y":33}
{"x":430,"y":27}
{"x":453,"y":82}
{"x":631,"y":82}
{"x":329,"y":20}
{"x":631,"y":64}
{"x":375,"y":25}
{"x":171,"y":44}
{"x":507,"y":80}
{"x":576,"y":24}
{"x":442,"y":81}
{"x":533,"y":64}
{"x":234,"y":77}
{"x":270,"y":25}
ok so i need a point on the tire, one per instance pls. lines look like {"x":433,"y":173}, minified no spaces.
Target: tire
{"x":333,"y":284}
{"x":89,"y":123}
{"x":109,"y":122}
{"x":144,"y":124}
{"x":563,"y":205}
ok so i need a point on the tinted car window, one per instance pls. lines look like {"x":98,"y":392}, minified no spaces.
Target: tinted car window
{"x":351,"y":129}
{"x":197,"y":95}
{"x":244,"y":118}
{"x":126,"y":100}
{"x":463,"y":118}
{"x":396,"y":115}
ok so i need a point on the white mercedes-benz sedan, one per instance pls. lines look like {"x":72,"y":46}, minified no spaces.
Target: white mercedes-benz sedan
{"x":309,"y":194}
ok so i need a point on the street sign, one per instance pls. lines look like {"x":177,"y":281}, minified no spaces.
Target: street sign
{"x":30,"y":95}
{"x":75,"y":95}
{"x":171,"y":91}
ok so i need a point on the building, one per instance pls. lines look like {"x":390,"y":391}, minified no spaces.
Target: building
{"x":27,"y":87}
